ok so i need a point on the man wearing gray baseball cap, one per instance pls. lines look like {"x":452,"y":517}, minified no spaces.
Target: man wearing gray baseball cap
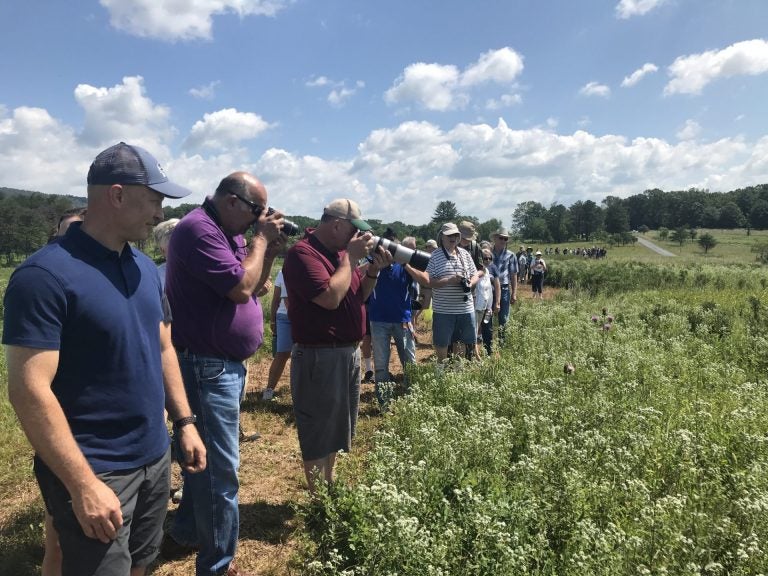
{"x":91,"y":366}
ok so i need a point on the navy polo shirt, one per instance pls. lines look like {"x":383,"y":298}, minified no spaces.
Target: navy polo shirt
{"x":101,"y":310}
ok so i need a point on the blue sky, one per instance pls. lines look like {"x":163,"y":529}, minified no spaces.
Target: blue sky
{"x":398,"y":104}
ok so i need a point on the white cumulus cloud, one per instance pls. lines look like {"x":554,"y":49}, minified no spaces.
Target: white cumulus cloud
{"x":690,"y":130}
{"x":340,"y":93}
{"x":595,"y":89}
{"x":442,"y":87}
{"x":639,"y":74}
{"x":505,"y":101}
{"x":430,"y":85}
{"x":690,"y":74}
{"x":205,"y":92}
{"x":224,"y":129}
{"x":339,"y":96}
{"x":628,"y":8}
{"x":499,"y":66}
{"x":122,"y":112}
{"x":173,"y":20}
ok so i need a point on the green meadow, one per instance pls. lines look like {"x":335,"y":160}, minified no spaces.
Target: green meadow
{"x":620,"y":431}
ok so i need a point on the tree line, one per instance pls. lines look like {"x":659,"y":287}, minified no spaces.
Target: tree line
{"x":29,"y":218}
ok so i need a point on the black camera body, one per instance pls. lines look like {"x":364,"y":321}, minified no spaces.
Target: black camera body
{"x":465,"y":286}
{"x":289,"y":228}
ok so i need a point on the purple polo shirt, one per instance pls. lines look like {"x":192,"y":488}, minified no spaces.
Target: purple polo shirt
{"x":307,"y":270}
{"x":203,"y":266}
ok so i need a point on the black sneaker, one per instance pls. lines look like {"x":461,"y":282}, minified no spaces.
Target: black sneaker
{"x":368,"y":377}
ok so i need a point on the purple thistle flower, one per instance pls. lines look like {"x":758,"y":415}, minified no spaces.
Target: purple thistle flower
{"x":609,"y":319}
{"x":606,"y":327}
{"x":605,"y":311}
{"x":594,"y":318}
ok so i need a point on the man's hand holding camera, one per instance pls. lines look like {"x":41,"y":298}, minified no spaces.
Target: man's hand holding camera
{"x":381,"y":259}
{"x":359,"y":246}
{"x":270,"y":226}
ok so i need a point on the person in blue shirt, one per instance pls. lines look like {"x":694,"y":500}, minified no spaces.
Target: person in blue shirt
{"x":91,"y":366}
{"x":508,"y":269}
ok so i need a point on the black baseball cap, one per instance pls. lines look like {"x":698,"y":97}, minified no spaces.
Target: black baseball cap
{"x":127,"y":164}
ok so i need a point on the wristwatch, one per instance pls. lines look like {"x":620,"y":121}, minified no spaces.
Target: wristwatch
{"x":181,"y":422}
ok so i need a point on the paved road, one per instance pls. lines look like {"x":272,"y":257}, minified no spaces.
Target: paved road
{"x":651,"y":246}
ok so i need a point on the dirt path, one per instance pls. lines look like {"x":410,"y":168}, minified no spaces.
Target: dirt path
{"x":656,"y":248}
{"x":271,"y":475}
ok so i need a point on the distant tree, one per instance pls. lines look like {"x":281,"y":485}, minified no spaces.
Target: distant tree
{"x":538,"y":230}
{"x":487,"y":228}
{"x":523,"y":217}
{"x":707,"y":241}
{"x":663,"y":233}
{"x":731,"y":216}
{"x":758,"y":217}
{"x":446,"y":211}
{"x":679,"y":235}
{"x":643,"y":229}
{"x":587,"y":218}
{"x":711,"y":217}
{"x":693,"y":233}
{"x":559,"y":223}
{"x":616,"y":215}
{"x":178,"y":211}
{"x":695,"y":214}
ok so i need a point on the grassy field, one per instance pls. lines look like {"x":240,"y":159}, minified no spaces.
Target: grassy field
{"x":650,"y":457}
{"x":734,"y":246}
{"x":617,"y":435}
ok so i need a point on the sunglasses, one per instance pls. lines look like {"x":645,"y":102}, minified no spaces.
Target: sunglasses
{"x":256,"y":210}
{"x":487,"y":259}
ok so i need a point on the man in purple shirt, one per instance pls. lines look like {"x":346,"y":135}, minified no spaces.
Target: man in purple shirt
{"x":212,"y":278}
{"x":327,"y":292}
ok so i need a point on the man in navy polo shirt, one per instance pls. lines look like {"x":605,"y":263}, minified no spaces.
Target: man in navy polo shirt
{"x":90,"y":367}
{"x":212,"y":280}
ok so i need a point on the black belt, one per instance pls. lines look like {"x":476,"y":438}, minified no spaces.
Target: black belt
{"x":330,"y":345}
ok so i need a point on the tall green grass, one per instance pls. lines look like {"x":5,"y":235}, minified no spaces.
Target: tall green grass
{"x":650,"y":458}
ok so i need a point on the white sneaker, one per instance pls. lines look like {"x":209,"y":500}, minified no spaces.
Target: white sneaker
{"x":268,"y":394}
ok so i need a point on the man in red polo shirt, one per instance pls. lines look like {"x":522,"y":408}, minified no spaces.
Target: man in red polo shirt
{"x":327,"y":292}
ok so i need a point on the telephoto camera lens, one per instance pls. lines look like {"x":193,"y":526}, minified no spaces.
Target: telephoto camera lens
{"x":402,"y":255}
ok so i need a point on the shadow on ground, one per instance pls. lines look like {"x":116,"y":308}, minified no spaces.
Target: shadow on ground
{"x":21,"y":542}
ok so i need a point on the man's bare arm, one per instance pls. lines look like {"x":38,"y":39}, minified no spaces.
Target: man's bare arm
{"x":30,"y":375}
{"x":192,"y":447}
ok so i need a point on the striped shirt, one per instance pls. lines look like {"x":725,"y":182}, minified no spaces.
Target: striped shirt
{"x":451,"y":299}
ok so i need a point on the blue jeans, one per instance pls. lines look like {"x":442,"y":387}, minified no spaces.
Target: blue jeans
{"x":381,"y":333}
{"x":503,"y":312}
{"x":208,"y":515}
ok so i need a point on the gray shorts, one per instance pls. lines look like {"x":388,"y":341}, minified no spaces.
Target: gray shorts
{"x":325,"y":387}
{"x":143,"y":494}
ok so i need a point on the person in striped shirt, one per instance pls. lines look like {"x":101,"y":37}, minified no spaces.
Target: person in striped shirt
{"x":452,"y":275}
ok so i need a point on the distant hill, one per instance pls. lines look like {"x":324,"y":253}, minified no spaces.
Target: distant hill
{"x":77,"y":201}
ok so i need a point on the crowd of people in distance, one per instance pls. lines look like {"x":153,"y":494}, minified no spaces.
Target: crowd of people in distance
{"x":593,"y":252}
{"x":104,"y":348}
